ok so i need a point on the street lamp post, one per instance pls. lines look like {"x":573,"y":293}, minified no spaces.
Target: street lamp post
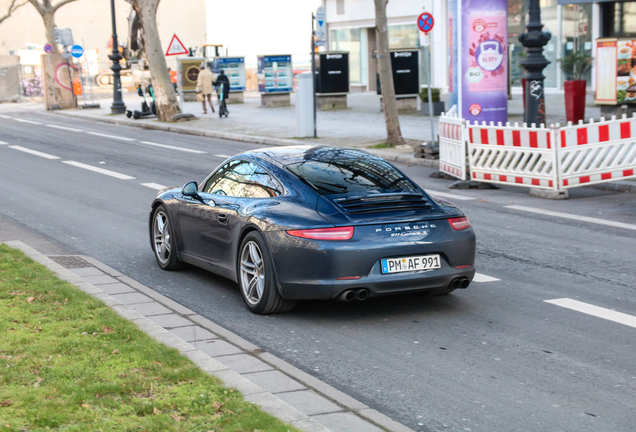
{"x":118,"y":106}
{"x":534,"y":40}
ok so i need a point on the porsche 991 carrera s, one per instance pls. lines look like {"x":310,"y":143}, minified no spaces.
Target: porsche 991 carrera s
{"x":313,"y":222}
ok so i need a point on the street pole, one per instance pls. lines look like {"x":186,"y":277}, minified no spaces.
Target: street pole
{"x":429,"y":69}
{"x":534,"y":40}
{"x":118,"y":106}
{"x":313,"y":69}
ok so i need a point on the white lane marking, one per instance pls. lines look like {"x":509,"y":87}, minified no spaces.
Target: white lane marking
{"x":111,"y":136}
{"x":155,"y":186}
{"x":27,"y":121}
{"x":618,"y":317}
{"x":33,"y":152}
{"x":449,"y":195}
{"x":574,"y":217}
{"x":222,"y":156}
{"x":99,"y":170}
{"x":3,"y":143}
{"x":173,"y":147}
{"x":4,"y":116}
{"x":483,"y":278}
{"x":64,"y":128}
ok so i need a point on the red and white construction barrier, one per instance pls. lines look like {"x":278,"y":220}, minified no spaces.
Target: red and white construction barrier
{"x":452,"y":150}
{"x":591,"y":153}
{"x":515,"y":155}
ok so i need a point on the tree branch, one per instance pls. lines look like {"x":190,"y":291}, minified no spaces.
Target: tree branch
{"x":39,"y":7}
{"x":61,"y":3}
{"x":12,"y":8}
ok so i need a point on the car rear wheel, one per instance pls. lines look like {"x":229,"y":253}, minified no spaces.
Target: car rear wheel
{"x":257,"y":279}
{"x":163,"y":240}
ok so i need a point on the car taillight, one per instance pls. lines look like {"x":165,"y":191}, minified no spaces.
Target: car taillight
{"x":459,"y":223}
{"x":339,"y":233}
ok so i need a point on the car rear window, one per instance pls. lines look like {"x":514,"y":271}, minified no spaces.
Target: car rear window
{"x":340,"y":171}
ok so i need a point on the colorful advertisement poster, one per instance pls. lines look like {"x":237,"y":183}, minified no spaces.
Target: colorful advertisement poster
{"x":484,"y":60}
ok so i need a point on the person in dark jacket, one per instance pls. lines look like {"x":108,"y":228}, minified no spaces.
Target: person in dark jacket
{"x":222,"y":79}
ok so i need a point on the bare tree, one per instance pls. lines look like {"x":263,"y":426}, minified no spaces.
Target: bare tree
{"x":13,"y":6}
{"x":47,"y":10}
{"x":393,"y":133}
{"x":166,"y":97}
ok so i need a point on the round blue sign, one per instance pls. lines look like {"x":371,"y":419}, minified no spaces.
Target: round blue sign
{"x":77,"y":51}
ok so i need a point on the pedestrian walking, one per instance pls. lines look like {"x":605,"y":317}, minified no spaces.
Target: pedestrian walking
{"x":222,"y":85}
{"x":205,"y":87}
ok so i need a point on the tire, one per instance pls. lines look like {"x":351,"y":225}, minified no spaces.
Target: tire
{"x":256,"y":278}
{"x":163,"y":243}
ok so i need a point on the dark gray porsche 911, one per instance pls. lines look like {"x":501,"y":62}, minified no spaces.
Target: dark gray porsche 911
{"x":305,"y":222}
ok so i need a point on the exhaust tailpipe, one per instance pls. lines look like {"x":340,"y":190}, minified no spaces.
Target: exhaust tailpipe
{"x":464,"y":283}
{"x":362,"y":294}
{"x":348,"y":295}
{"x":456,"y":283}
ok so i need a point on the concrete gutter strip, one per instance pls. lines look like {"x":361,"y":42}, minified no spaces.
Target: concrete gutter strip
{"x":148,"y":309}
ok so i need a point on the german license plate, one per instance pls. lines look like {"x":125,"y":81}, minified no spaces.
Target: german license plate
{"x":413,"y":263}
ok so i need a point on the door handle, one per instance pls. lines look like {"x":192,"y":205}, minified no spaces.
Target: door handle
{"x":222,"y":218}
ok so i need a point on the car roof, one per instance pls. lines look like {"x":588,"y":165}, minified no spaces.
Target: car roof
{"x":286,"y":155}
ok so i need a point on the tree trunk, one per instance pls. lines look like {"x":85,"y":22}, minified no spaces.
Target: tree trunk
{"x":165,"y":96}
{"x":49,"y":28}
{"x":393,"y":133}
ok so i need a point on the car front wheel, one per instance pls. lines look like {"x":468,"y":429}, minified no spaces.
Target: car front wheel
{"x":257,"y":279}
{"x":163,"y":240}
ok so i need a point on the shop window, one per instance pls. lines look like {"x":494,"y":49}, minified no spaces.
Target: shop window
{"x":355,"y":42}
{"x":403,"y":36}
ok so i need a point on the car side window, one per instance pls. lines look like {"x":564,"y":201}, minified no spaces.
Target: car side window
{"x":242,"y":179}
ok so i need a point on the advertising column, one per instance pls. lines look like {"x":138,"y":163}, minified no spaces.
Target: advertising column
{"x":483,"y":56}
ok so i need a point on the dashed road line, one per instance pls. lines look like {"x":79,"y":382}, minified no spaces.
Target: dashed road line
{"x":573,"y":217}
{"x":111,"y":136}
{"x":99,"y":170}
{"x":155,"y":186}
{"x":484,"y":278}
{"x":448,"y":195}
{"x":4,"y":143}
{"x":33,"y":152}
{"x":222,"y":156}
{"x":64,"y":128}
{"x":4,"y":116}
{"x":27,"y":121}
{"x":599,"y":312}
{"x":173,"y":147}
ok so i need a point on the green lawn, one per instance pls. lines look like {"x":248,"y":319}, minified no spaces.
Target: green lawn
{"x":68,"y":362}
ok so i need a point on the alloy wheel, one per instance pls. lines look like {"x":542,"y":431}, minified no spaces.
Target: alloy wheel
{"x":252,"y":273}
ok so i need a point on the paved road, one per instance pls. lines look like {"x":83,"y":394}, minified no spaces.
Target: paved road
{"x":495,"y":357}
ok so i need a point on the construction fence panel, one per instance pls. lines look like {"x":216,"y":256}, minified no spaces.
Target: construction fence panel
{"x":452,"y":147}
{"x":513,"y":155}
{"x":591,"y":153}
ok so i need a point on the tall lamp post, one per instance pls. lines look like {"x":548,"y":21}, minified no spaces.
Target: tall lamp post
{"x":118,"y":106}
{"x":534,"y":40}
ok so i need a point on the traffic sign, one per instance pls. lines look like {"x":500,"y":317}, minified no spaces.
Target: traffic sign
{"x":48,"y":48}
{"x":176,"y":47}
{"x":321,"y":21}
{"x":77,"y":51}
{"x":425,"y":22}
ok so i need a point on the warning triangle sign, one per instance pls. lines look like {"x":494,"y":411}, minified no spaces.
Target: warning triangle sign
{"x":176,"y":47}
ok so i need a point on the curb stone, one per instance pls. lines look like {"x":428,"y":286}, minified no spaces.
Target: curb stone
{"x":339,"y":413}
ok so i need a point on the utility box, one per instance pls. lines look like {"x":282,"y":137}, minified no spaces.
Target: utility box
{"x":234,"y":68}
{"x":406,"y":78}
{"x":305,"y":106}
{"x":275,"y":80}
{"x":332,"y":80}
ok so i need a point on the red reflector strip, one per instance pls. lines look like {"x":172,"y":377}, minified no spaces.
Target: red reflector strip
{"x":339,"y":233}
{"x":464,"y":266}
{"x":459,"y":224}
{"x":349,"y":277}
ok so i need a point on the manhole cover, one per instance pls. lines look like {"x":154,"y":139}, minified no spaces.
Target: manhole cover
{"x":70,"y":261}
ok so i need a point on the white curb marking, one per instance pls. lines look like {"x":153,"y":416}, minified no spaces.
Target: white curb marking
{"x":155,"y":186}
{"x":99,"y":170}
{"x":599,"y":312}
{"x":173,"y":147}
{"x":111,"y":136}
{"x":27,"y":121}
{"x":33,"y":152}
{"x":574,"y":217}
{"x":64,"y":128}
{"x":448,"y":195}
{"x":483,"y":278}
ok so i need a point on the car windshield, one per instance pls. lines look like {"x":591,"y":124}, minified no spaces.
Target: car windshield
{"x":339,"y":171}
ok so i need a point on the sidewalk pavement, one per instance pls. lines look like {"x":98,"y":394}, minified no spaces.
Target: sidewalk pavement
{"x":279,"y":388}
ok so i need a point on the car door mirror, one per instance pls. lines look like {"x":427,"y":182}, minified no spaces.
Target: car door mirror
{"x":190,"y":190}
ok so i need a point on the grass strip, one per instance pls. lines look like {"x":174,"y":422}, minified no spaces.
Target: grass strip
{"x":68,"y":362}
